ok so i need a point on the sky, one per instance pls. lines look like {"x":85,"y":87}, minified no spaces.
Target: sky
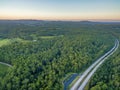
{"x":60,"y":9}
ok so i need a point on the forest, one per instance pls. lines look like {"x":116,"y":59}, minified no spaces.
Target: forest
{"x":44,"y":53}
{"x":107,"y":76}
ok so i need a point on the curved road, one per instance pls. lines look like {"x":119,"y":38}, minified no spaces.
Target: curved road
{"x":83,"y":80}
{"x":6,"y":64}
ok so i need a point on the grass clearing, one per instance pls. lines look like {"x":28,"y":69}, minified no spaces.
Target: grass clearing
{"x":47,"y":37}
{"x":4,"y":42}
{"x":3,"y":69}
{"x":50,"y":37}
{"x":9,"y":41}
{"x":18,"y":40}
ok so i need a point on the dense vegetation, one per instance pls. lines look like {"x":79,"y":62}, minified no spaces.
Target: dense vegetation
{"x":43,"y":53}
{"x":108,"y":76}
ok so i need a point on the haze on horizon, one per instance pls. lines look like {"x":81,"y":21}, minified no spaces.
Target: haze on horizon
{"x":101,"y":10}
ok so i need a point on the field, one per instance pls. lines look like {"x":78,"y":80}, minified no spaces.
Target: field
{"x":3,"y":69}
{"x":4,"y":42}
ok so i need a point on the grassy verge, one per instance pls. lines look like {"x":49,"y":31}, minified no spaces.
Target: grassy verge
{"x":74,"y":81}
{"x":67,"y":77}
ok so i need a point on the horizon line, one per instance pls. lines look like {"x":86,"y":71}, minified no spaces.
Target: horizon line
{"x":92,"y":20}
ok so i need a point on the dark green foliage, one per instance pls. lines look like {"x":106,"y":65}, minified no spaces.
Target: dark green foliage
{"x":43,"y":63}
{"x":108,"y":76}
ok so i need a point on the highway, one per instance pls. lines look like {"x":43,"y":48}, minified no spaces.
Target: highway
{"x":85,"y":77}
{"x":6,"y":64}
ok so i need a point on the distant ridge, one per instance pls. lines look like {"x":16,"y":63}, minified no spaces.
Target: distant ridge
{"x":89,"y":22}
{"x":34,"y":21}
{"x":86,"y":21}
